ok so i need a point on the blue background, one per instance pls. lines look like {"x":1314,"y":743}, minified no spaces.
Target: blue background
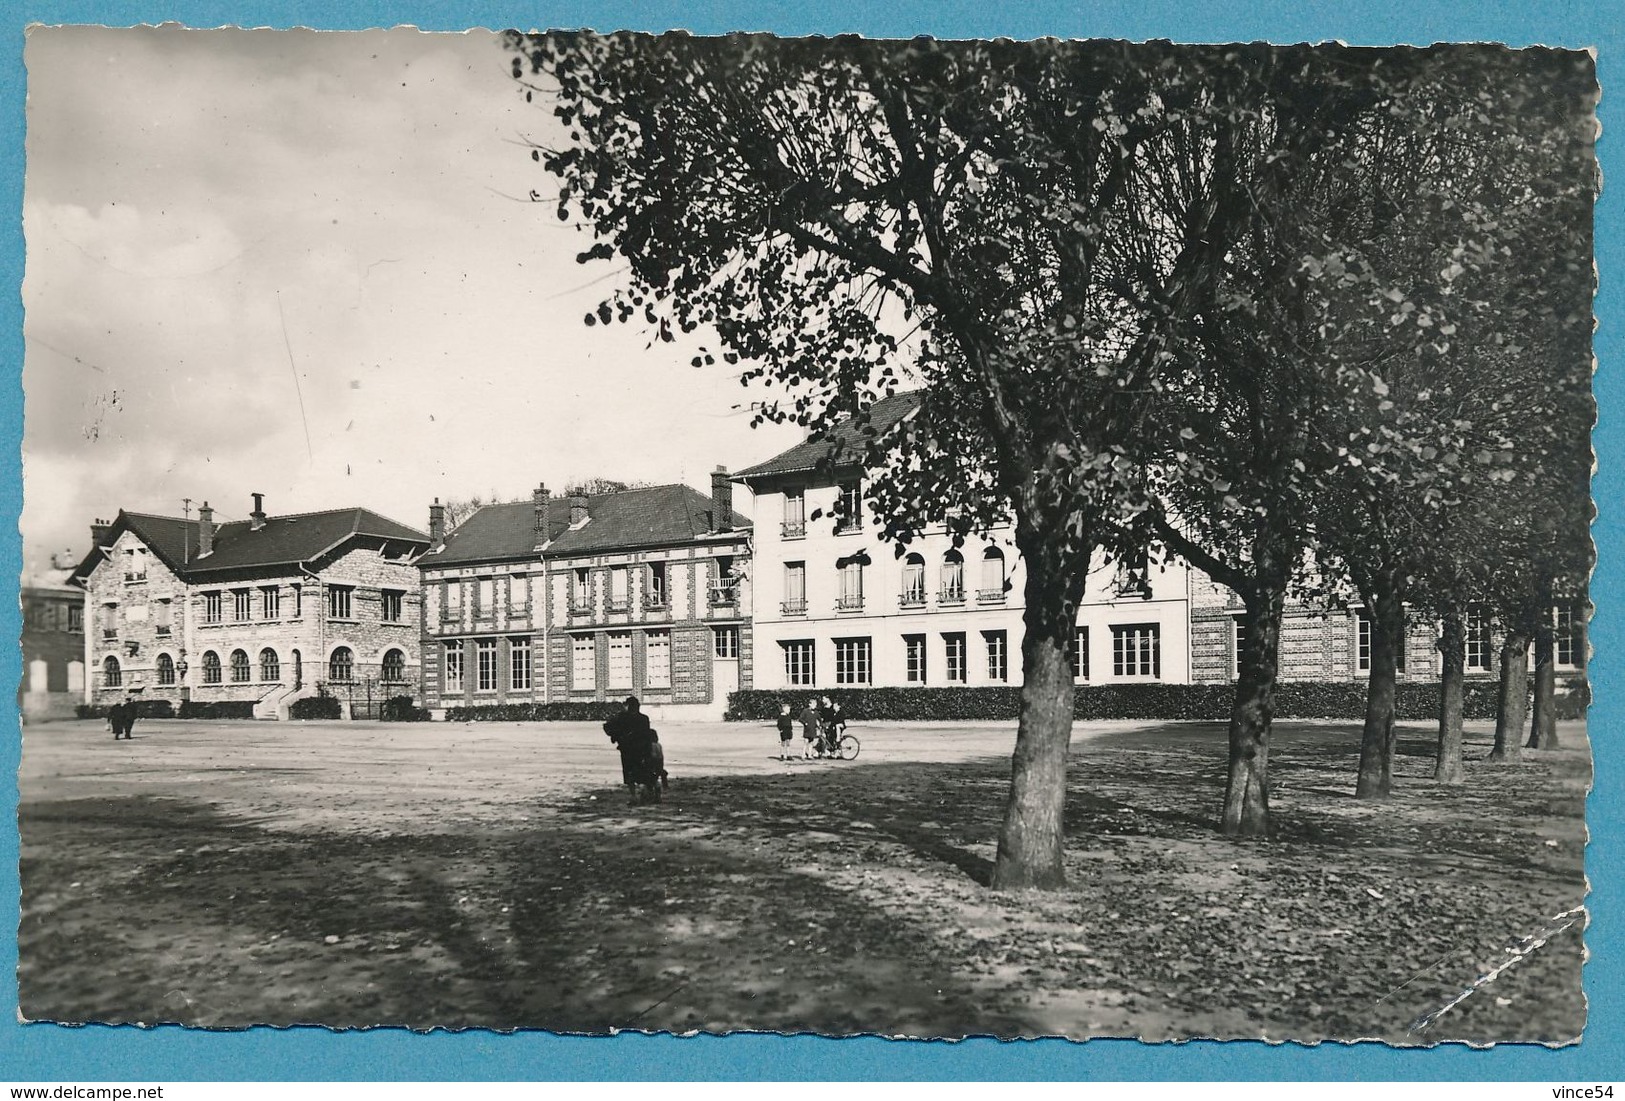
{"x":39,"y":1052}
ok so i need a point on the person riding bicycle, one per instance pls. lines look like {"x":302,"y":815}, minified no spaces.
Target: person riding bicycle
{"x":831,"y":725}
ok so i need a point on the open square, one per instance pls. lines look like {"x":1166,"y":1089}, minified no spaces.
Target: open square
{"x":492,"y":875}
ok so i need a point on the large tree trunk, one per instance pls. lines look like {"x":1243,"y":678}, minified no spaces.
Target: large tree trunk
{"x":1543,"y":728}
{"x":1513,"y":704}
{"x":1247,"y":792}
{"x":1453,"y":663}
{"x":1377,"y":740}
{"x":1030,"y":842}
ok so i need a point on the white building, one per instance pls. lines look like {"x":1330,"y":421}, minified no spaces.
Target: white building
{"x":836,"y":607}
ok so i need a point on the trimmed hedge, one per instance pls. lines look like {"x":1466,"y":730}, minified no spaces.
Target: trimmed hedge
{"x":144,"y":709}
{"x":401,"y":709}
{"x":217,"y":709}
{"x":316,"y":707}
{"x":567,"y":712}
{"x":1210,"y":702}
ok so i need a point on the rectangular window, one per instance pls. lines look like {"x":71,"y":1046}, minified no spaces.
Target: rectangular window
{"x":583,"y":663}
{"x":338,"y":601}
{"x":795,"y":514}
{"x":1479,"y":648}
{"x":799,"y":669}
{"x":953,"y":668}
{"x":485,"y":668}
{"x":619,"y":669}
{"x":242,"y":605}
{"x":454,"y":667}
{"x":724,"y":588}
{"x":485,"y":597}
{"x":298,"y":600}
{"x":211,"y":607}
{"x":655,"y":593}
{"x":1137,"y":650}
{"x":163,"y":619}
{"x":657,"y":659}
{"x":519,"y":593}
{"x":851,"y":592}
{"x":76,"y":619}
{"x":1078,"y":656}
{"x":725,"y":642}
{"x":392,"y":600}
{"x":454,"y":598}
{"x":914,"y":659}
{"x":849,"y":507}
{"x":998,"y":655}
{"x":795,"y":588}
{"x":617,"y":589}
{"x":580,"y":591}
{"x":135,"y":563}
{"x":519,"y":664}
{"x":1362,"y":644}
{"x":853,"y":661}
{"x":1565,"y":639}
{"x":270,"y":602}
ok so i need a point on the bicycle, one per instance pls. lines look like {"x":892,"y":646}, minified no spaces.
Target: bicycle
{"x":844,"y":748}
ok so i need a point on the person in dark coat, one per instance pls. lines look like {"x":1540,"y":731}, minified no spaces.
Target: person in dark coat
{"x":809,"y":726}
{"x":787,"y":731}
{"x":129,"y":715}
{"x":834,"y":723}
{"x":115,"y":720}
{"x":630,"y":732}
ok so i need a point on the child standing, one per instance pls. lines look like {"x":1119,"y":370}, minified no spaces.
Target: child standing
{"x":787,"y":731}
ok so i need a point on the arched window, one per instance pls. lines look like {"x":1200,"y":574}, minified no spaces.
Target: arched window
{"x":394,"y":666}
{"x":341,"y":666}
{"x":913,"y":594}
{"x":270,"y":665}
{"x":211,"y":667}
{"x":953,"y":578}
{"x":166,"y":669}
{"x":241,"y":672}
{"x":992,"y":587}
{"x":112,"y":675}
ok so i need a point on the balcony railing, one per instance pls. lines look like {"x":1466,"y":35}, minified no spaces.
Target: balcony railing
{"x":109,"y":633}
{"x":655,"y":603}
{"x":613,"y":605}
{"x":794,"y":607}
{"x":794,"y":529}
{"x":162,"y":630}
{"x":722,"y":596}
{"x":580,"y":608}
{"x":911,"y":598}
{"x":135,"y":575}
{"x":990,"y":596}
{"x":849,"y":603}
{"x":951,"y":596}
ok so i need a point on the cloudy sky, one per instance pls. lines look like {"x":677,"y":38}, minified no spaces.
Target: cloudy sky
{"x":299,"y":263}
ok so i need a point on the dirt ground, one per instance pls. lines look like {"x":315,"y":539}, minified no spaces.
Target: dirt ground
{"x":493,"y":875}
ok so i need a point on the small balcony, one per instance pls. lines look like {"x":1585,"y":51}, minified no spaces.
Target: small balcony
{"x":722,"y":596}
{"x":911,"y":598}
{"x":163,"y":630}
{"x":951,"y":596}
{"x":615,"y":607}
{"x":849,"y":603}
{"x":794,"y":607}
{"x":990,"y":596}
{"x":581,"y":607}
{"x":109,"y":634}
{"x":793,"y":529}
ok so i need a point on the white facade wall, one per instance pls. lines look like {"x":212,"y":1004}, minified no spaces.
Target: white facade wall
{"x":885,"y":619}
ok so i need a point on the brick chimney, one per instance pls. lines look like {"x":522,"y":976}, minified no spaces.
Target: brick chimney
{"x":98,"y":531}
{"x":542,"y":500}
{"x":437,"y":525}
{"x":205,"y":530}
{"x":256,"y":519}
{"x":578,"y":509}
{"x":722,"y":500}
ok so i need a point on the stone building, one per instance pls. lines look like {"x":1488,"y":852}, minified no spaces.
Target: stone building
{"x":590,"y":598}
{"x":53,"y":644}
{"x":268,"y":609}
{"x":836,"y":607}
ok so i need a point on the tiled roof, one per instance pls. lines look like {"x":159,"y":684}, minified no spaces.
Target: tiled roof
{"x":655,"y":516}
{"x":283,"y":540}
{"x":844,"y":445}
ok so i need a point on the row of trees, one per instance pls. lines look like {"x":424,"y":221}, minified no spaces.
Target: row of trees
{"x":1315,"y":318}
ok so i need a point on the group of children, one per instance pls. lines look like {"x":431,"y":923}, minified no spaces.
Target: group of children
{"x":643,"y":761}
{"x":821,"y":725}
